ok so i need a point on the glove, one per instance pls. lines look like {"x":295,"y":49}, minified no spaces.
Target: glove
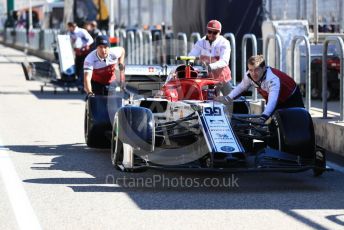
{"x":90,"y":94}
{"x":260,"y":120}
{"x":121,"y":67}
{"x":206,"y":66}
{"x":226,"y":100}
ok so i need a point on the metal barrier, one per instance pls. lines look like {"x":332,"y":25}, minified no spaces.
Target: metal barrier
{"x":277,"y":39}
{"x":308,"y":66}
{"x":130,"y":47}
{"x":170,"y":45}
{"x":157,"y":38}
{"x":253,"y":39}
{"x":182,"y":47}
{"x":20,"y":38}
{"x":339,"y":40}
{"x":116,"y":35}
{"x":148,"y":48}
{"x":41,"y":39}
{"x":138,"y":47}
{"x":49,"y":39}
{"x":34,"y":38}
{"x":122,"y":38}
{"x":231,"y":38}
{"x":194,"y":37}
{"x":9,"y":35}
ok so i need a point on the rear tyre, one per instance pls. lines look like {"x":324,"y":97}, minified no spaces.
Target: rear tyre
{"x":96,"y":123}
{"x":91,"y":138}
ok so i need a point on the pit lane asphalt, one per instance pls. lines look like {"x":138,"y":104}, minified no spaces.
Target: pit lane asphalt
{"x":66,"y":183}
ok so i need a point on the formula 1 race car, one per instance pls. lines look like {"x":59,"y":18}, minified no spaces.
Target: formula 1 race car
{"x":180,"y":127}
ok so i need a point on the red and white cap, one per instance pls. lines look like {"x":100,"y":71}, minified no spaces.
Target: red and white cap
{"x":214,"y":25}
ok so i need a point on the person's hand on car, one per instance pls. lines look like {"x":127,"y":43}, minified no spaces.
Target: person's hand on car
{"x":259,"y":120}
{"x":226,"y":100}
{"x":206,"y":66}
{"x":89,"y":94}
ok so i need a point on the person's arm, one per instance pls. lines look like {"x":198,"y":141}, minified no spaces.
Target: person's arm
{"x":122,"y":56}
{"x":224,"y":56}
{"x":274,"y":87}
{"x":196,"y":49}
{"x":121,"y":65}
{"x":88,"y":70}
{"x":86,"y":39}
{"x":89,"y":38}
{"x":72,"y":38}
{"x":87,"y":82}
{"x":239,"y":89}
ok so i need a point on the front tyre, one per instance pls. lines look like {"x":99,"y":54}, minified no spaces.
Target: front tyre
{"x":133,"y":132}
{"x":293,"y":132}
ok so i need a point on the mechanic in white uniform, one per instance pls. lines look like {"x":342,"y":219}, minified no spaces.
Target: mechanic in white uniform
{"x":81,"y":42}
{"x":100,"y":66}
{"x":214,"y":51}
{"x":277,"y":88}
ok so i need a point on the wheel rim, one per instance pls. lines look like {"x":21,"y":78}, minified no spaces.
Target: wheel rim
{"x":116,"y":147}
{"x":86,"y":125}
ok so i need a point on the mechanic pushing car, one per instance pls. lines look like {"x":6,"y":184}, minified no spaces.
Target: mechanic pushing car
{"x":81,"y":41}
{"x":277,"y":88}
{"x":100,"y":66}
{"x":214,"y":52}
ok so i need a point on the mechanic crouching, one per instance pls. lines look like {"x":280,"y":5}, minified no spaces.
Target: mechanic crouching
{"x":277,"y":88}
{"x":100,"y":67}
{"x":214,"y":52}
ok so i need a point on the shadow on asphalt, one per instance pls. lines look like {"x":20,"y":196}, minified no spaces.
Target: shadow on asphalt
{"x":186,"y":190}
{"x":14,"y":93}
{"x":48,"y":94}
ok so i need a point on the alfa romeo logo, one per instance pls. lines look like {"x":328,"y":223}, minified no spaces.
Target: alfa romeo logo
{"x":227,"y":149}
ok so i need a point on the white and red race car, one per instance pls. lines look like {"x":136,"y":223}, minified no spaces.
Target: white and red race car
{"x":179,"y":126}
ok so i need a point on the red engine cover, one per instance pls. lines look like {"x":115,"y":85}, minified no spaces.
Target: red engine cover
{"x":188,"y":89}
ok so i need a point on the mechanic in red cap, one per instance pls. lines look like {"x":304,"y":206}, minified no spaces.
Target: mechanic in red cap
{"x":100,"y":66}
{"x":214,"y":51}
{"x":277,"y":88}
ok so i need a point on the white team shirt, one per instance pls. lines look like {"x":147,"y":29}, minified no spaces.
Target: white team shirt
{"x":103,"y":70}
{"x":218,"y":52}
{"x":80,"y":38}
{"x":271,"y":84}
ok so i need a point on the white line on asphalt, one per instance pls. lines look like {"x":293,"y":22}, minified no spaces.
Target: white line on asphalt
{"x":26,"y":217}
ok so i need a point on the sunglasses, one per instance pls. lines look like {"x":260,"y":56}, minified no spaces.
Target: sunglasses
{"x":212,"y":32}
